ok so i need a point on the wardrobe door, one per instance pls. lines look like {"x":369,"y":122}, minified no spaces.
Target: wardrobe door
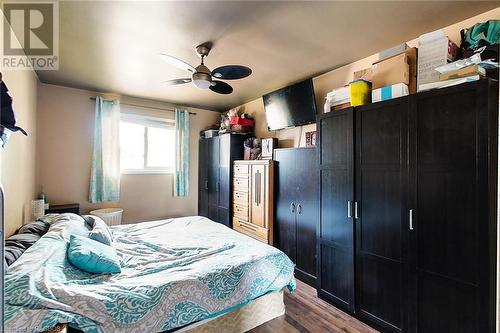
{"x":335,"y":264}
{"x":203,"y":178}
{"x":224,"y":187}
{"x":306,"y":213}
{"x":380,"y":213}
{"x":453,"y":240}
{"x":285,"y":202}
{"x":213,"y":179}
{"x":258,"y":192}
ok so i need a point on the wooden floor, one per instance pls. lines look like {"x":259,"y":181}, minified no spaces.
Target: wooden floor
{"x":306,"y":313}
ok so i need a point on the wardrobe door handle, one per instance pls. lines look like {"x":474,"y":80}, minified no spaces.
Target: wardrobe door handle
{"x":410,"y":218}
{"x":292,"y":207}
{"x":356,"y":216}
{"x":349,"y":209}
{"x":256,"y":190}
{"x":259,"y":187}
{"x":299,"y":209}
{"x":206,"y":184}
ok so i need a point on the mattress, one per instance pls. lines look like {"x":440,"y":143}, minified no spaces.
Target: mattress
{"x":174,"y":272}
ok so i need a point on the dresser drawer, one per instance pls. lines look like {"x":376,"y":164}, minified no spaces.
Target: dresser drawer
{"x":240,"y":211}
{"x":240,"y":197}
{"x":251,"y":230}
{"x":241,"y":170}
{"x":240,"y":184}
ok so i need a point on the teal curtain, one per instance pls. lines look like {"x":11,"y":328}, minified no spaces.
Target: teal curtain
{"x":105,"y":174}
{"x":181,"y":177}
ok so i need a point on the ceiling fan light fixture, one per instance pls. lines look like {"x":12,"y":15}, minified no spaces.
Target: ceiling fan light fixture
{"x":202,"y":80}
{"x":202,"y":77}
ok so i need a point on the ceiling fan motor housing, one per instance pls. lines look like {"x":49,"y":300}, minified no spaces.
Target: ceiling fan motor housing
{"x":202,"y":78}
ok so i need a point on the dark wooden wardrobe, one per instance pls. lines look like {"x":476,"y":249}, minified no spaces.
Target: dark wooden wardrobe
{"x":408,"y":207}
{"x":215,"y":163}
{"x":297,"y":209}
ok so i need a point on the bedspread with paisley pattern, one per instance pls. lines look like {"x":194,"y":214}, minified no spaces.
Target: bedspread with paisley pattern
{"x":174,"y":272}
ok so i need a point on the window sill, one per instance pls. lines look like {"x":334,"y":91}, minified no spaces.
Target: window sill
{"x":147,"y":172}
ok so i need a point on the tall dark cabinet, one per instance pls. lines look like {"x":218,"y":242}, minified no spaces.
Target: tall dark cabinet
{"x":335,"y":270}
{"x":215,"y":159}
{"x":408,"y":208}
{"x":297,"y":209}
{"x":380,"y":212}
{"x":453,"y":197}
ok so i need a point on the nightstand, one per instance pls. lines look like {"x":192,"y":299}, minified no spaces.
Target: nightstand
{"x":66,"y":208}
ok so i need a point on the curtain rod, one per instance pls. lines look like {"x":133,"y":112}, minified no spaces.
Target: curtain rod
{"x":148,"y":107}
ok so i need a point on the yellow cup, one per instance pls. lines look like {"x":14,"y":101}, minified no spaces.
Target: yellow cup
{"x":361,"y":92}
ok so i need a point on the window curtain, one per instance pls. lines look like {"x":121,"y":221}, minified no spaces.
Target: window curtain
{"x":181,"y":177}
{"x":105,"y":175}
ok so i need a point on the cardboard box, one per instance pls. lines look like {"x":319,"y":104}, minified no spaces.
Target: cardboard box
{"x":387,"y":72}
{"x":389,"y":92}
{"x":241,"y":121}
{"x":341,"y":106}
{"x":463,"y":72}
{"x":412,"y":56}
{"x":395,"y":50}
{"x":434,"y":50}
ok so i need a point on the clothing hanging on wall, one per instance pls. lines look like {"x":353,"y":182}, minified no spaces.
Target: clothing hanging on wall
{"x":7,"y":116}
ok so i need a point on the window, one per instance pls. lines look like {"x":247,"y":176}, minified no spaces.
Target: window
{"x":147,"y":145}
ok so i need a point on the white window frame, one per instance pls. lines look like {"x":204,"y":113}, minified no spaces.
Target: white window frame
{"x":147,"y":121}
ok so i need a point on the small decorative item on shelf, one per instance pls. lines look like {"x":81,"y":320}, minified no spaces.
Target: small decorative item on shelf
{"x":225,"y":126}
{"x":252,"y":149}
{"x":268,"y":146}
{"x":311,"y":139}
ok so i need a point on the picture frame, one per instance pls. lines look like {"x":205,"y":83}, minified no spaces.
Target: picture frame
{"x":311,"y":139}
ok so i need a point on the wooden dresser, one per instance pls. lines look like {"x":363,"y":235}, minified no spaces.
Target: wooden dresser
{"x":253,"y":201}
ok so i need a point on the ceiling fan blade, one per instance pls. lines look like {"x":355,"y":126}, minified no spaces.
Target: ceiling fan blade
{"x":177,"y":81}
{"x":231,"y":72}
{"x":221,"y":87}
{"x":177,"y":63}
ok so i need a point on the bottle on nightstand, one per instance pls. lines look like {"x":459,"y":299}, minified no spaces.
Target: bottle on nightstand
{"x":43,"y":196}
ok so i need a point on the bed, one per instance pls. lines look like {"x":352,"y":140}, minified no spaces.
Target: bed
{"x":183,"y":274}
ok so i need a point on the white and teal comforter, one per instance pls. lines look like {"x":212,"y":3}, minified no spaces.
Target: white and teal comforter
{"x":174,"y":272}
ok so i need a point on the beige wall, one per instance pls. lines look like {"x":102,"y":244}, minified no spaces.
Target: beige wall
{"x":295,"y":137}
{"x":65,"y":127}
{"x":18,"y":156}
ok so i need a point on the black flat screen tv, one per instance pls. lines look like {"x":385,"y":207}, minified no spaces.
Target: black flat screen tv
{"x":290,"y":106}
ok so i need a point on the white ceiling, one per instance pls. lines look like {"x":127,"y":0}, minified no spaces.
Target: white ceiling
{"x":113,"y":46}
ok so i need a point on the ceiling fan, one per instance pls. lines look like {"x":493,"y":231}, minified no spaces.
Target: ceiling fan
{"x":202,"y":77}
